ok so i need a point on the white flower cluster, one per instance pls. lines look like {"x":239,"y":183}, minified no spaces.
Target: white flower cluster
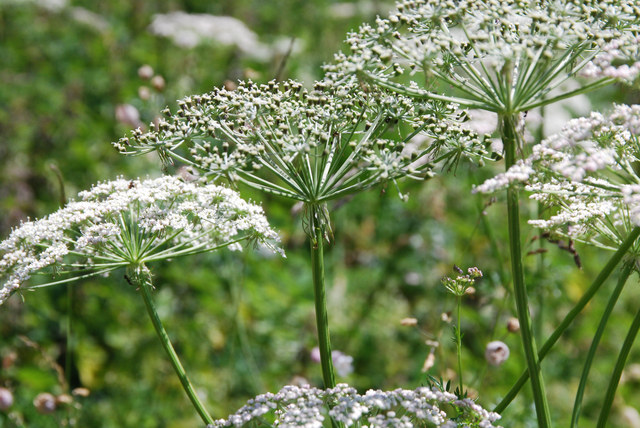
{"x":129,"y":223}
{"x":189,"y":30}
{"x":311,"y":145}
{"x":308,"y":407}
{"x":588,"y":174}
{"x":500,"y":55}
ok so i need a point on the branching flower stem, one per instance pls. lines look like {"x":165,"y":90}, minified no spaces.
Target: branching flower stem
{"x":626,"y":272}
{"x":145,"y":287}
{"x":510,"y":141}
{"x":568,"y":319}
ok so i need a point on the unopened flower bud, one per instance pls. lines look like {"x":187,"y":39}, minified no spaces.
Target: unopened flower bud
{"x":144,"y":93}
{"x":513,"y":325}
{"x":496,"y":352}
{"x":409,"y":321}
{"x":145,"y":72}
{"x":81,"y":392}
{"x":6,"y":399}
{"x":158,"y":83}
{"x":64,"y":399}
{"x":45,"y":403}
{"x":128,"y":115}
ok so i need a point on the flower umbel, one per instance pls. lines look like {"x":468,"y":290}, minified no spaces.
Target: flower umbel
{"x":504,"y":56}
{"x":588,"y":176}
{"x":128,"y":223}
{"x":307,"y":407}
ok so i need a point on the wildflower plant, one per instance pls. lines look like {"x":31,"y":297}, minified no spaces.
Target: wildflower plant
{"x":128,"y":224}
{"x":458,"y":287}
{"x":505,"y":57}
{"x":311,"y":146}
{"x":587,"y":175}
{"x":305,"y":406}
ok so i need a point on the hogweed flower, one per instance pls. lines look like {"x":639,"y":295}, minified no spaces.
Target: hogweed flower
{"x":307,"y":145}
{"x":505,"y":56}
{"x":129,"y":223}
{"x":305,"y":406}
{"x":588,"y":175}
{"x":462,"y":283}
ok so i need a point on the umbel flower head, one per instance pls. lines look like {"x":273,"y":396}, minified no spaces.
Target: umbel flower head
{"x":128,"y":223}
{"x":307,"y":407}
{"x":308,"y":145}
{"x":588,"y":175}
{"x":504,"y":56}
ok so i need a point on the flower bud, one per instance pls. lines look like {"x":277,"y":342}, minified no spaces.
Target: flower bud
{"x":45,"y":403}
{"x":409,"y":321}
{"x":6,"y":399}
{"x":145,"y":72}
{"x":513,"y":325}
{"x":496,"y":353}
{"x":158,"y":83}
{"x":144,"y":93}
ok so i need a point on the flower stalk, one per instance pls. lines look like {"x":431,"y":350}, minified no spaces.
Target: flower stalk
{"x":510,"y":141}
{"x":573,"y":313}
{"x":320,"y":298}
{"x":145,"y":286}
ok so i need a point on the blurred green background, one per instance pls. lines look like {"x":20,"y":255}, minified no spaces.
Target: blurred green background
{"x":243,"y":323}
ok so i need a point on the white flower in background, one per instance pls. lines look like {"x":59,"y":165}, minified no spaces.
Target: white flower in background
{"x":305,"y":406}
{"x":588,"y":175}
{"x":189,"y":30}
{"x":342,"y":362}
{"x":128,"y":223}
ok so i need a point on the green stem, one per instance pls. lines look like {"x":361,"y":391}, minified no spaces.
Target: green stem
{"x":624,"y":276}
{"x":510,"y":141}
{"x":145,"y":288}
{"x":617,"y":371}
{"x":568,"y":319}
{"x":320,"y":295}
{"x":459,"y":346}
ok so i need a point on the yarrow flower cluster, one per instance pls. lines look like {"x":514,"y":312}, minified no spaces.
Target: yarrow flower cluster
{"x":308,"y":145}
{"x":310,"y":407}
{"x":128,"y":223}
{"x":588,"y":174}
{"x":502,"y":56}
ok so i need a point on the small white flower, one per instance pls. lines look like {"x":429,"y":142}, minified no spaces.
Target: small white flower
{"x":128,"y":223}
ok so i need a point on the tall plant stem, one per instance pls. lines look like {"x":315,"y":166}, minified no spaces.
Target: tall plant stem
{"x":617,"y":371}
{"x":459,"y":346}
{"x":573,"y":313}
{"x":622,"y":280}
{"x":145,"y":290}
{"x":510,"y":141}
{"x":320,"y":295}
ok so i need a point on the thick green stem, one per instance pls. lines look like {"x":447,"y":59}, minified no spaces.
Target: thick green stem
{"x":320,"y":295}
{"x":573,"y":313}
{"x":459,"y":347}
{"x":617,"y":371}
{"x":145,"y":289}
{"x":624,"y":276}
{"x":510,"y":141}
